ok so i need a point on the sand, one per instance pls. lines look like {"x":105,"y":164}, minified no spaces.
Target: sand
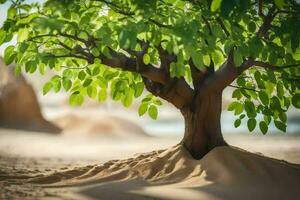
{"x":224,"y":173}
{"x":103,"y":158}
{"x":98,"y":125}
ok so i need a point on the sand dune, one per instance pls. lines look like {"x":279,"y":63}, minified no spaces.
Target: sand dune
{"x":224,"y":173}
{"x":101,"y":125}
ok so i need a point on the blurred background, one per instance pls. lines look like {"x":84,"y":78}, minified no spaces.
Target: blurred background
{"x":46,"y":132}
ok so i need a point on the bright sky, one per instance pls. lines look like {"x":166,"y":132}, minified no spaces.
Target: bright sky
{"x":3,"y":10}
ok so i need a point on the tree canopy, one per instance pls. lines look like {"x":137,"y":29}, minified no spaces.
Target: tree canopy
{"x":176,"y":49}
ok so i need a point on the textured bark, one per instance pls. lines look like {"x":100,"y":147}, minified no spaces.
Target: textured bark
{"x":202,"y":125}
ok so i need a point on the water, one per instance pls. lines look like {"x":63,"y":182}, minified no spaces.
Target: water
{"x":176,"y":126}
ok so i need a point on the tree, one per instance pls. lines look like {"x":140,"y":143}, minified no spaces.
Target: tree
{"x":185,"y":52}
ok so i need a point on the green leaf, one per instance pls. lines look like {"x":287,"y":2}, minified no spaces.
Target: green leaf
{"x":92,"y":91}
{"x":264,"y":98}
{"x":9,"y":55}
{"x":158,"y":102}
{"x":228,"y":46}
{"x":2,"y":36}
{"x":237,"y":123}
{"x":259,"y":80}
{"x":296,"y":100}
{"x":88,"y":71}
{"x":87,"y":82}
{"x":11,"y":13}
{"x":152,"y":111}
{"x":263,"y":127}
{"x":197,"y":59}
{"x":102,"y":95}
{"x":67,"y":84}
{"x":127,"y":100}
{"x":251,"y":123}
{"x":67,"y":73}
{"x":47,"y":87}
{"x":250,"y":109}
{"x":271,"y":76}
{"x":143,"y":109}
{"x":26,"y":7}
{"x":18,"y":70}
{"x":147,"y":99}
{"x":42,"y":69}
{"x":237,"y":58}
{"x":227,"y":6}
{"x":76,"y":99}
{"x":31,"y":66}
{"x":127,"y":39}
{"x":139,"y":88}
{"x":275,"y":103}
{"x":242,"y":116}
{"x":22,"y":34}
{"x":237,"y":94}
{"x":146,"y":59}
{"x":239,"y":109}
{"x":56,"y":85}
{"x":206,"y":60}
{"x":236,"y":107}
{"x":95,"y":52}
{"x":217,"y":57}
{"x":251,"y":26}
{"x":281,"y":126}
{"x":280,"y":3}
{"x":96,"y":70}
{"x":280,"y":90}
{"x":282,"y":116}
{"x":81,"y":75}
{"x":177,"y":70}
{"x":215,"y":5}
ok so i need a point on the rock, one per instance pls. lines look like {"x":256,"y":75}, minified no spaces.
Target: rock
{"x":19,"y":107}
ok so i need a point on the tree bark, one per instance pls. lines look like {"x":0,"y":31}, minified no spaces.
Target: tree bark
{"x":202,"y":125}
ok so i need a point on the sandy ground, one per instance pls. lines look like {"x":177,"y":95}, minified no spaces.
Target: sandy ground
{"x":43,"y":166}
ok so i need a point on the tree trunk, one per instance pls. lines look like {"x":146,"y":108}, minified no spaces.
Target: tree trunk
{"x":202,"y":125}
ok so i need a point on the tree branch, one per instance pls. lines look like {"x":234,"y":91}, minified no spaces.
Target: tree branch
{"x":159,"y":24}
{"x":74,"y":37}
{"x":272,"y":67}
{"x":260,"y":9}
{"x":165,"y":59}
{"x":177,"y":91}
{"x":174,"y":91}
{"x":219,"y":20}
{"x":65,"y":46}
{"x":121,"y":61}
{"x":207,"y":24}
{"x":262,"y":31}
{"x":67,"y":56}
{"x":227,"y":73}
{"x":197,"y":75}
{"x":156,"y":78}
{"x":244,"y":88}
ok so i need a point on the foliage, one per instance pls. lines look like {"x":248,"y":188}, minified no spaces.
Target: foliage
{"x":82,"y":39}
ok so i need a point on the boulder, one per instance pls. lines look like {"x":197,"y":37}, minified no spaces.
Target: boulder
{"x":19,"y":107}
